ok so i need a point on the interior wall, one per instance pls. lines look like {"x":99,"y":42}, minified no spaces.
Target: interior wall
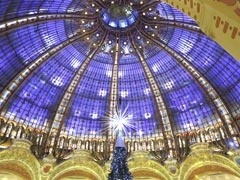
{"x":9,"y":176}
{"x":219,"y":19}
{"x":219,"y":177}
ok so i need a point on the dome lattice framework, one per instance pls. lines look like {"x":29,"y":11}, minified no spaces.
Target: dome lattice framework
{"x":66,"y":65}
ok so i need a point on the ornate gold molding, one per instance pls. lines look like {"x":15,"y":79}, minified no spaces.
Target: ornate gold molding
{"x":141,"y":166}
{"x":202,"y":160}
{"x":81,"y":163}
{"x":20,"y":161}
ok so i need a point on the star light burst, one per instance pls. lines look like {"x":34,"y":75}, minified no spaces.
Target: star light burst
{"x":120,"y":120}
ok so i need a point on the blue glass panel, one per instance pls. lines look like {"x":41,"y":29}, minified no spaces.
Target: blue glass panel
{"x":12,"y":9}
{"x":20,"y":49}
{"x":78,"y":6}
{"x":105,"y":17}
{"x":168,"y":12}
{"x":187,"y":103}
{"x":221,"y":69}
{"x":128,"y":58}
{"x":53,"y":32}
{"x":91,"y":100}
{"x":104,"y":58}
{"x":131,"y":20}
{"x":28,"y":113}
{"x":46,"y":87}
{"x":123,"y":23}
{"x":112,"y":23}
{"x":55,"y":6}
{"x":3,"y":8}
{"x":135,"y":92}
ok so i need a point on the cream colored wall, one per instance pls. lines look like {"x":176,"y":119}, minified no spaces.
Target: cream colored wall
{"x":74,"y":178}
{"x":7,"y":176}
{"x":220,"y":177}
{"x":81,"y":165}
{"x":219,"y":19}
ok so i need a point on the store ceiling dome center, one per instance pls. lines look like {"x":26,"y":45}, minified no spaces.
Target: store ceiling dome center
{"x":119,"y":16}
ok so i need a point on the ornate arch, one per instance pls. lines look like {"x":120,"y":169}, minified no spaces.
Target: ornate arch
{"x":20,"y":161}
{"x":142,"y":167}
{"x":209,"y":168}
{"x":147,"y":172}
{"x":17,"y":168}
{"x":202,"y":160}
{"x":81,"y":164}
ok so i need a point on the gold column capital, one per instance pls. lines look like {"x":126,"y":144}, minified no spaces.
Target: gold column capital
{"x":22,"y":144}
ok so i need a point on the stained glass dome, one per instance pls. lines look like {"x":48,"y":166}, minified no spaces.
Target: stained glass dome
{"x":67,"y":65}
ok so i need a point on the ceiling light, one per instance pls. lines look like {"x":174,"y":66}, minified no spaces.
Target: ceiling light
{"x":147,"y":115}
{"x":147,"y":91}
{"x":94,"y":115}
{"x":58,"y":81}
{"x":124,"y":93}
{"x":102,"y":93}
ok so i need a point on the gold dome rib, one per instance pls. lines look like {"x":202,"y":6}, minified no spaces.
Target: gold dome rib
{"x":162,"y":110}
{"x":147,"y":5}
{"x":114,"y":85}
{"x":101,"y":4}
{"x":11,"y":24}
{"x":58,"y":120}
{"x":177,"y":24}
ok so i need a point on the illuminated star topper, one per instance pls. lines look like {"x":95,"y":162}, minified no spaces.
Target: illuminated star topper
{"x":120,"y":120}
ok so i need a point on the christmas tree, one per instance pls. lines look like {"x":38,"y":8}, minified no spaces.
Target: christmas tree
{"x":119,"y":166}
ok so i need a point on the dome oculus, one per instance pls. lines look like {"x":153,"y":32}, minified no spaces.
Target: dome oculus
{"x":119,"y":16}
